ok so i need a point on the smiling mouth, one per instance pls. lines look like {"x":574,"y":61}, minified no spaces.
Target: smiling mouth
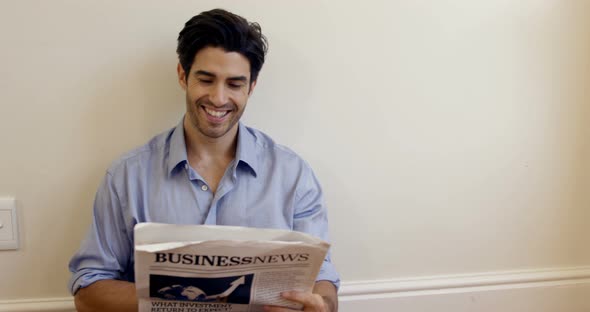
{"x":216,"y":113}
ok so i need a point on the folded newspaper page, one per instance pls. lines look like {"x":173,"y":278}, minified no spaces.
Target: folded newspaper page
{"x":201,"y":268}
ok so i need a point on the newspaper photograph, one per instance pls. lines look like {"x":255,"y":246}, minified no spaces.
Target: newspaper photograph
{"x":203,"y":268}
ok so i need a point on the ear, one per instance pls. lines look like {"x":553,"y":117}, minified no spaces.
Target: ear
{"x":252,"y":86}
{"x":182,"y":77}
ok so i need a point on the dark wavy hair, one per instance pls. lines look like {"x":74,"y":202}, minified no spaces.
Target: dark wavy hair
{"x":222,"y":29}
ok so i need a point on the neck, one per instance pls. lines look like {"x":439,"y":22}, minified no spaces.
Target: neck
{"x":202,"y":148}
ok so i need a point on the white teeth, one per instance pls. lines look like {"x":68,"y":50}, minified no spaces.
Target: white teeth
{"x":217,"y":114}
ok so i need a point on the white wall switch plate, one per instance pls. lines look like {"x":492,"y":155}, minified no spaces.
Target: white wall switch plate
{"x":8,"y":224}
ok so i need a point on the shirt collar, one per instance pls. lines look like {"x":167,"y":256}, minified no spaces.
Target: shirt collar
{"x":245,"y":150}
{"x":177,"y":153}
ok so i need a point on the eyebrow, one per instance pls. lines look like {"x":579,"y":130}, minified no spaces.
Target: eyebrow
{"x":212,"y":75}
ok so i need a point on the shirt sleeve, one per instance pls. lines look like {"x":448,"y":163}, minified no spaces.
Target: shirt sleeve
{"x":311,"y":217}
{"x":107,"y":249}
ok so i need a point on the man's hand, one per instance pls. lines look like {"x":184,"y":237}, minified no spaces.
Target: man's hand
{"x":323,"y":299}
{"x":311,"y":302}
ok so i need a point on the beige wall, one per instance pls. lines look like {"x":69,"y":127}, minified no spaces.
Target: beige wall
{"x":450,"y":136}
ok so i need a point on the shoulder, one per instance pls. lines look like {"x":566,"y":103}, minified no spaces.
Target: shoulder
{"x":278,"y":162}
{"x":140,"y":156}
{"x":268,"y":147}
{"x":285,"y":165}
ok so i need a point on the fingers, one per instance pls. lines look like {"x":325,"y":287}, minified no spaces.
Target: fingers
{"x":311,"y":302}
{"x":306,"y":298}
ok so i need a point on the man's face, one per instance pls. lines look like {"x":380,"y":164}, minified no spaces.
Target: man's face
{"x":217,"y":90}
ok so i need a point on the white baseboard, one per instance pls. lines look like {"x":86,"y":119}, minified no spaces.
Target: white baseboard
{"x":546,"y":290}
{"x":65,"y":304}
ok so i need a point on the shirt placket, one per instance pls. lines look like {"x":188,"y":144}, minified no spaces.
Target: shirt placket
{"x":225,"y":186}
{"x":202,"y":193}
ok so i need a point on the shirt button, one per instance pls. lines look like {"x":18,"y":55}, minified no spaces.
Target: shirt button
{"x":204,"y":187}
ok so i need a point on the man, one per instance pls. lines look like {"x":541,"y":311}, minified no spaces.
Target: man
{"x":209,"y":169}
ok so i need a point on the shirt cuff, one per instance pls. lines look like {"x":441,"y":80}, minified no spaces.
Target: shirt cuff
{"x":328,"y":273}
{"x":85,"y":277}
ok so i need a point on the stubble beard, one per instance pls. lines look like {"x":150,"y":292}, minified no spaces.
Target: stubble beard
{"x":202,"y":125}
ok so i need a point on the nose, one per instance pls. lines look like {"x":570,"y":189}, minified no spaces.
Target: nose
{"x":218,"y":95}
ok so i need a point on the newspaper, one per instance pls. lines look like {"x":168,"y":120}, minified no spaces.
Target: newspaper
{"x":200,"y":268}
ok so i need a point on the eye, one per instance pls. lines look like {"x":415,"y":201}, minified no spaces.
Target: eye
{"x":235,"y":85}
{"x":205,"y":81}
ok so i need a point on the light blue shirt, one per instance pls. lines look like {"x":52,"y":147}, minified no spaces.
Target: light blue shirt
{"x":266,"y":186}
